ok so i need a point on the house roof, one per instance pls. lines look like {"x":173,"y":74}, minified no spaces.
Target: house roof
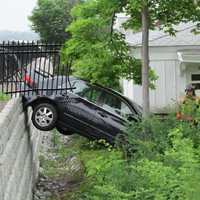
{"x":184,"y":37}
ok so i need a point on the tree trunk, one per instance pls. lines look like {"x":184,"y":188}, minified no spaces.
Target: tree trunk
{"x":145,"y":61}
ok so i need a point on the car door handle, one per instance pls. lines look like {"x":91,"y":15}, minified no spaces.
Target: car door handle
{"x":102,"y":114}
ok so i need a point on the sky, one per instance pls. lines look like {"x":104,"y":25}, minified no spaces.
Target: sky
{"x":14,"y":13}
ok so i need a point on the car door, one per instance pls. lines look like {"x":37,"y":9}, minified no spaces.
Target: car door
{"x":81,"y":110}
{"x":114,"y":112}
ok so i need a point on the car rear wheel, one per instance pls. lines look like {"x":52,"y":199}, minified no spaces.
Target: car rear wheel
{"x":44,"y":117}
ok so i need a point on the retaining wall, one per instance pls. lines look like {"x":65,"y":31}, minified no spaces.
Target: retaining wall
{"x":19,"y":149}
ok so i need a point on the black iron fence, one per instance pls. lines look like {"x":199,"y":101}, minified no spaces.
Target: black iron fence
{"x":30,"y":68}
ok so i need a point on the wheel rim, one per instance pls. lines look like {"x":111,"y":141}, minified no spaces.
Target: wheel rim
{"x":44,"y":116}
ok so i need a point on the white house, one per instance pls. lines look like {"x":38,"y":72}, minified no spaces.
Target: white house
{"x":176,"y":60}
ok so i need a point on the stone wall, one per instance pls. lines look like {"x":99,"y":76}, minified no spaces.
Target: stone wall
{"x":19,"y":149}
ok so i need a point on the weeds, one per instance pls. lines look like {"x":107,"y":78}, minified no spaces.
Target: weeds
{"x":160,"y":161}
{"x":4,"y":97}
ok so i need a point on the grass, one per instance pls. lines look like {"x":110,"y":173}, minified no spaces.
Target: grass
{"x":4,"y":97}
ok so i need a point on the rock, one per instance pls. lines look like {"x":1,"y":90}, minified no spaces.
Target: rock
{"x":75,"y":168}
{"x":70,"y":171}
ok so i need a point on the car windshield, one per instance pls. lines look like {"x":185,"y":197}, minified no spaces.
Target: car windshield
{"x":138,"y":108}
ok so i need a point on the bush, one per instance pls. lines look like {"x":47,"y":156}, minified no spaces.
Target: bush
{"x":147,"y":138}
{"x":161,"y":162}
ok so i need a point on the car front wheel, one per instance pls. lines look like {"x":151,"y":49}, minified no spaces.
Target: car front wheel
{"x":44,"y":117}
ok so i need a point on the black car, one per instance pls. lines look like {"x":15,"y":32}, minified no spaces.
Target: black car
{"x":87,"y":109}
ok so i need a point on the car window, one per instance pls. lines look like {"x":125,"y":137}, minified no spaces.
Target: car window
{"x":110,"y":102}
{"x":114,"y":104}
{"x":87,"y":91}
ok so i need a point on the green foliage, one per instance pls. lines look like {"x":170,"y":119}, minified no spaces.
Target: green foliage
{"x":148,"y":138}
{"x":163,"y":163}
{"x":98,"y":52}
{"x":50,"y":19}
{"x":163,"y":14}
{"x":4,"y":97}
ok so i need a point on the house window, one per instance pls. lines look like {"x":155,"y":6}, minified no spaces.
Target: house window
{"x":195,"y":77}
{"x":195,"y":80}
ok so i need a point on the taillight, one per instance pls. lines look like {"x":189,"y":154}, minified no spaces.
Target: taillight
{"x":28,"y":80}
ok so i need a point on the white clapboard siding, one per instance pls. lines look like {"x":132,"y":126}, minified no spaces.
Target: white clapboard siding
{"x":172,"y":79}
{"x":165,"y":92}
{"x":166,"y":86}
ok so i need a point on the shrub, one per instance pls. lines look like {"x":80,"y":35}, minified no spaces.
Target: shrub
{"x":148,"y":138}
{"x":163,"y":163}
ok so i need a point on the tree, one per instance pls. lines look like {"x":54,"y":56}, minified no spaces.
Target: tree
{"x":98,"y":52}
{"x":145,"y":60}
{"x":147,"y":14}
{"x":50,"y":19}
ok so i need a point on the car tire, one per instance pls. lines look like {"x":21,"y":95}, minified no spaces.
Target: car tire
{"x":44,"y":116}
{"x":64,"y":132}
